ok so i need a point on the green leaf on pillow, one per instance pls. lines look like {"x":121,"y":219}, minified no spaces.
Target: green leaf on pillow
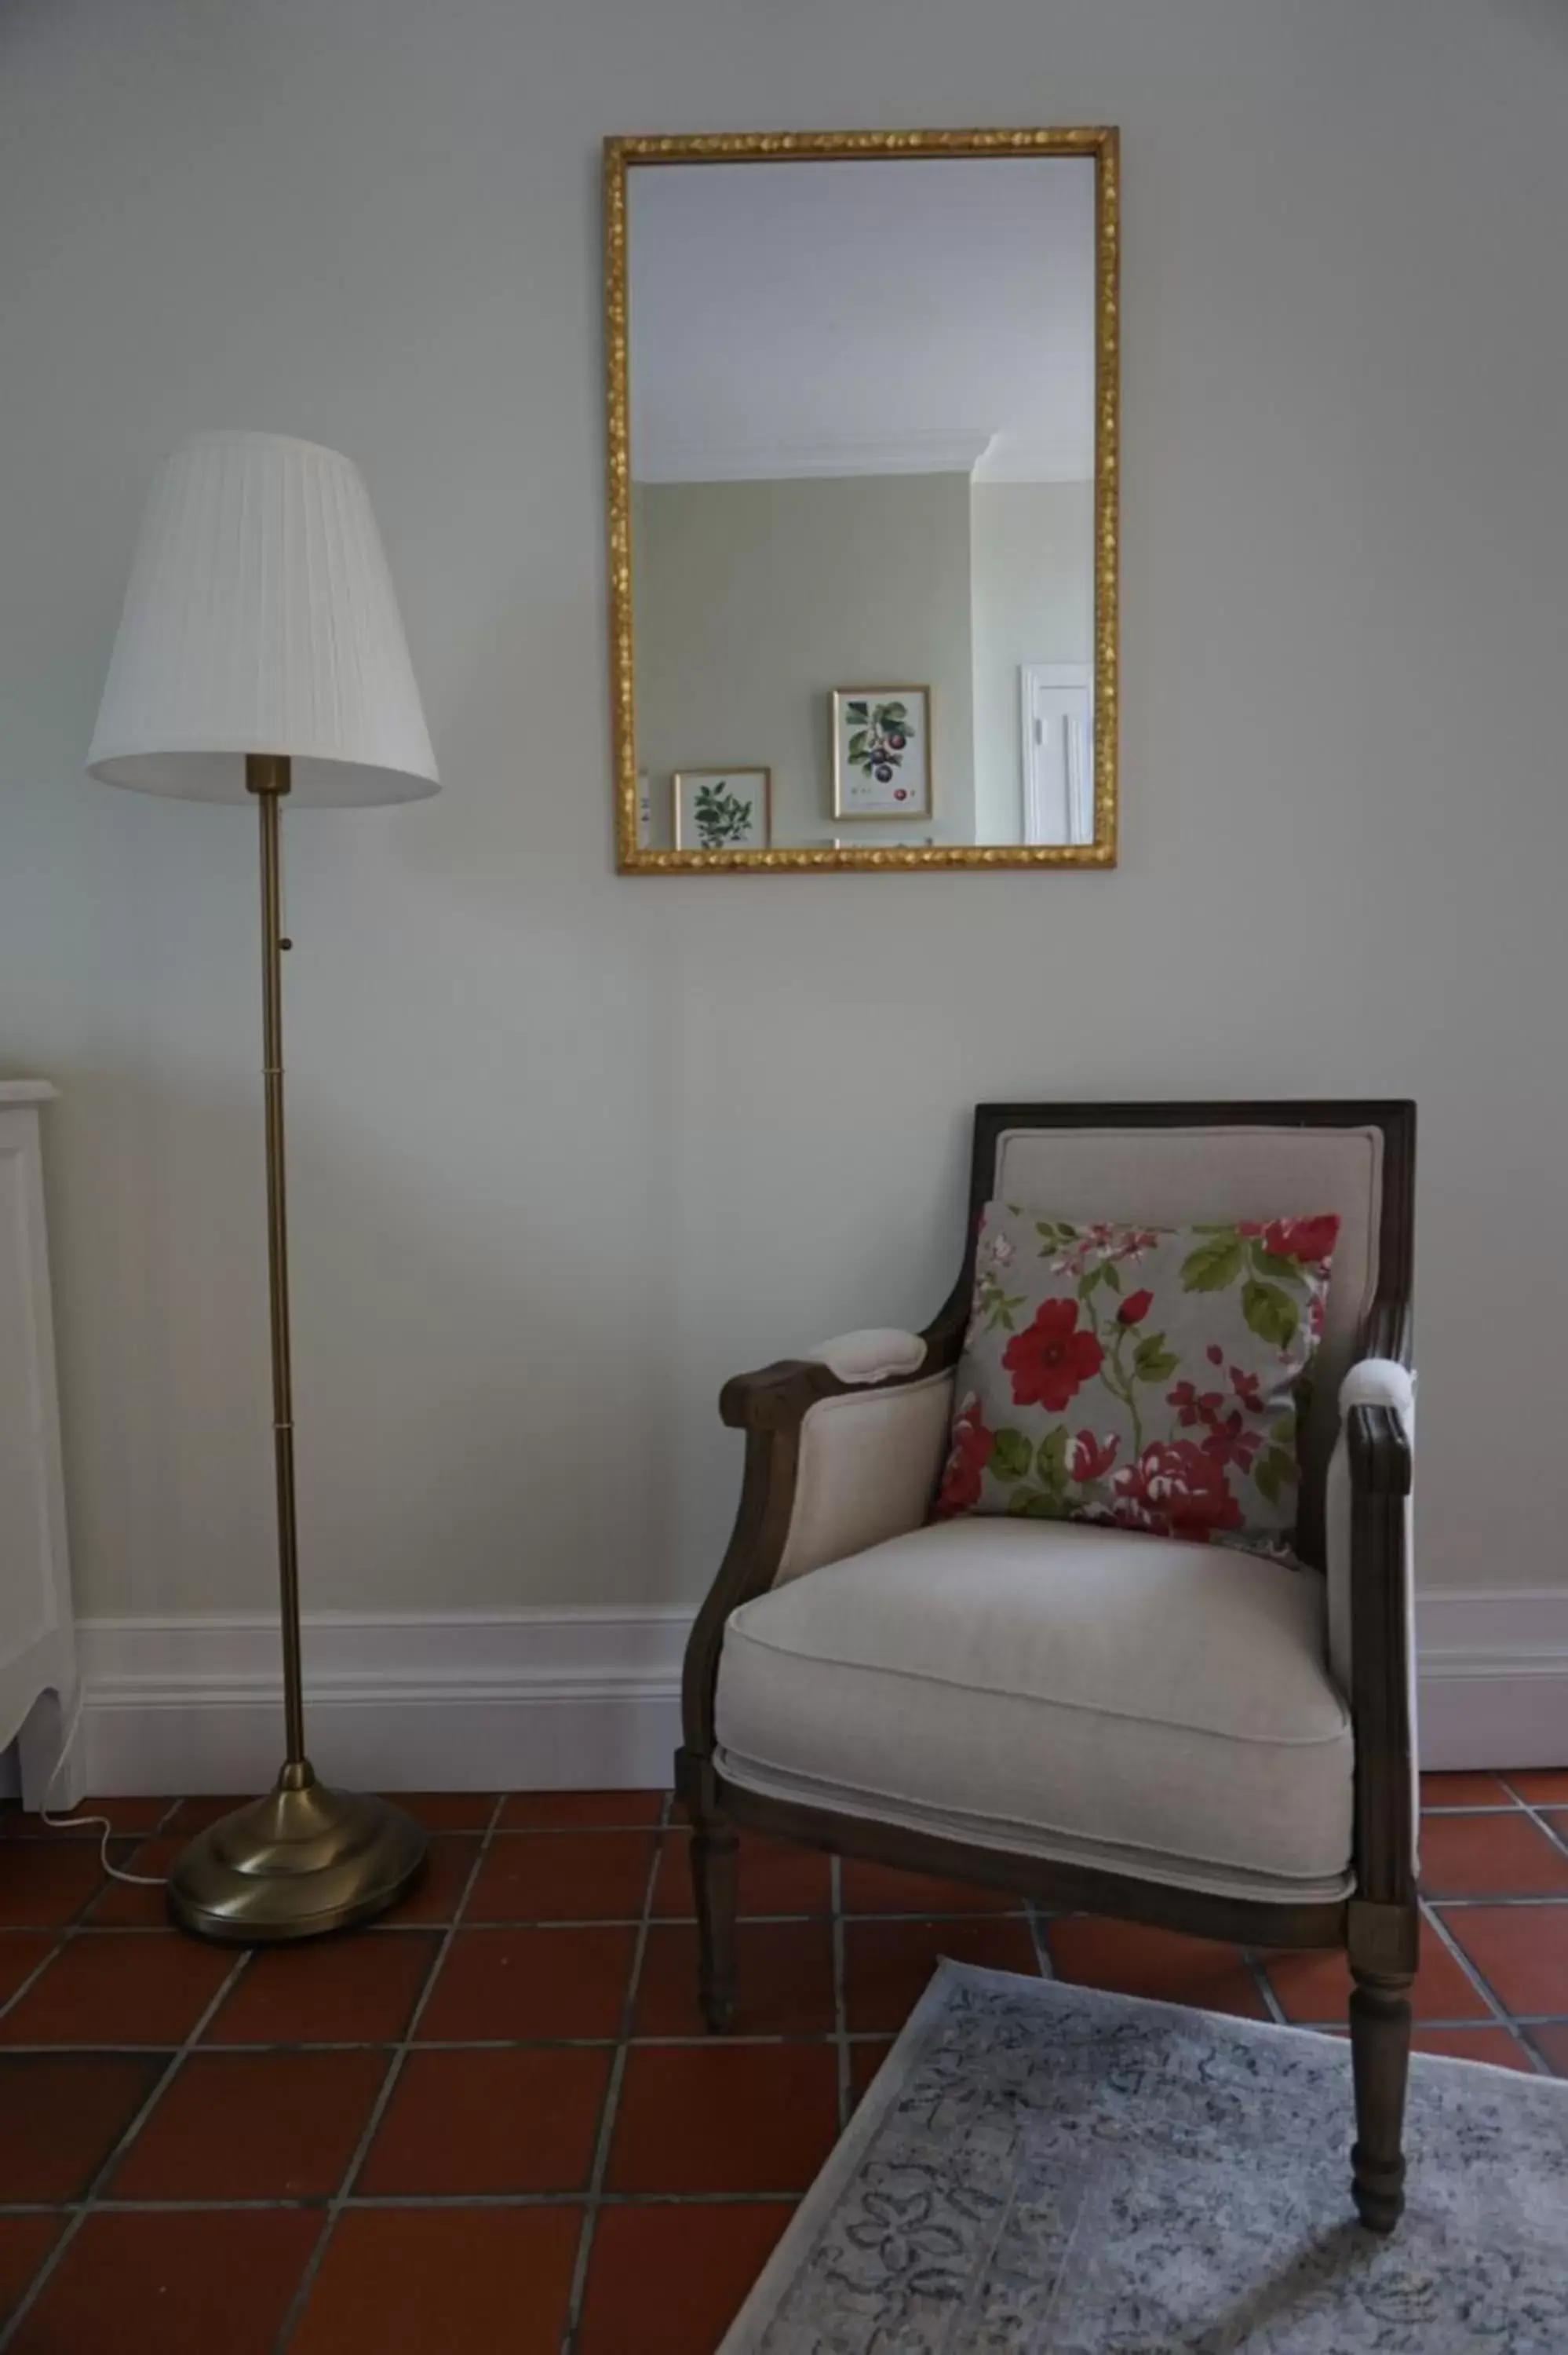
{"x":1284,"y":1431}
{"x":1108,"y":1275}
{"x":1011,"y":1456}
{"x":1271,"y":1314}
{"x":1213,"y":1264}
{"x":1088,"y":1283}
{"x":1055,"y":1230}
{"x":1036,"y":1505}
{"x":1274,"y":1472}
{"x":999,"y":1308}
{"x":1281,"y":1271}
{"x":1152,"y":1361}
{"x":1051,"y":1463}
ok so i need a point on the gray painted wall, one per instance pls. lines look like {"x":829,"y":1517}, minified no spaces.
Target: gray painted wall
{"x":568,"y":1148}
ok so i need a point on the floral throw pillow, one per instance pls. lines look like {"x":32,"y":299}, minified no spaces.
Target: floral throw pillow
{"x":1152,"y":1378}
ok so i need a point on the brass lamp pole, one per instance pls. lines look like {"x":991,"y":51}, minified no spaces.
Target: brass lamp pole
{"x":261,"y":614}
{"x":303,"y":1860}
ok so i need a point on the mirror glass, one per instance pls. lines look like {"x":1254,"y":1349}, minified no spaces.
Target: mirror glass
{"x":859,"y":477}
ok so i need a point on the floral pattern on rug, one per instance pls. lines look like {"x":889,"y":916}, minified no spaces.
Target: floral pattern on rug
{"x":1042,"y":2169}
{"x":1150,"y":1378}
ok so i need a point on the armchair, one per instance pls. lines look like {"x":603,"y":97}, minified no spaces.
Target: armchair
{"x":1179,"y":1734}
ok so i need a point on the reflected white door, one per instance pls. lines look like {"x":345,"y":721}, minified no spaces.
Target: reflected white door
{"x":1057,"y":733}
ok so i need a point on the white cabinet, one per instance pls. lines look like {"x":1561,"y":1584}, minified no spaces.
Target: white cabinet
{"x":38,"y":1636}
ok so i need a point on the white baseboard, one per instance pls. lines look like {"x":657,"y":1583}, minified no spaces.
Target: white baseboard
{"x":411,"y":1701}
{"x":553,"y":1700}
{"x":1494,"y":1677}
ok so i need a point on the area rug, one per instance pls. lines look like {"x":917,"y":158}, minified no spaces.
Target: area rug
{"x":1043,"y":2168}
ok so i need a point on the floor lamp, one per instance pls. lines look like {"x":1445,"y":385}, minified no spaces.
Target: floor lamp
{"x":262,"y":659}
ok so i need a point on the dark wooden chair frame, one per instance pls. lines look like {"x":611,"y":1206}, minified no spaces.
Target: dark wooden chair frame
{"x":1378,"y":1927}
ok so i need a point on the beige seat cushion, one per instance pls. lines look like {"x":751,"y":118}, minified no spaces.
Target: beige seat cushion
{"x":1155,"y":1707}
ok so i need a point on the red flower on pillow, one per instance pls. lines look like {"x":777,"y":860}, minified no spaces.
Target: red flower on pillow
{"x":1092,"y":1458}
{"x":1051,"y":1359}
{"x":1193,"y":1406}
{"x":1231,"y":1441}
{"x":1175,"y":1490}
{"x":971,"y":1451}
{"x":1134,"y":1308}
{"x":1309,"y":1240}
{"x":1228,"y":1437}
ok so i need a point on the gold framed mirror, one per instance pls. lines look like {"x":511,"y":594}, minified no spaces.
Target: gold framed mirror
{"x":862,"y":443}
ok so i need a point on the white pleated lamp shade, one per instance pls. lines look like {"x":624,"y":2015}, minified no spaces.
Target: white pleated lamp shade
{"x":260,"y":618}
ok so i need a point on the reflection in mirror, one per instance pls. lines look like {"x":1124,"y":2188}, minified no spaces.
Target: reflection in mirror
{"x":860,"y":398}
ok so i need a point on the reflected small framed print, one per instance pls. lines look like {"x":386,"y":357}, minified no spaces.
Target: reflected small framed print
{"x":723,"y":809}
{"x":882,"y":752}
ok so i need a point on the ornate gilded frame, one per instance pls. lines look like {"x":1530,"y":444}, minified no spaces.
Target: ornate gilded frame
{"x":1098,"y":142}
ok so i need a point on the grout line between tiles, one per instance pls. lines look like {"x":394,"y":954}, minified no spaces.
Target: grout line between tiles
{"x":60,"y":1930}
{"x":649,"y":1828}
{"x":1500,"y":2012}
{"x":64,"y":1934}
{"x":154,"y":2096}
{"x":1468,"y":1904}
{"x":840,"y":1995}
{"x":1542,"y":1818}
{"x":690,"y":2041}
{"x":35,"y":1975}
{"x":852,"y":2037}
{"x":400,"y":2052}
{"x":376,"y":2202}
{"x":1485,"y":1807}
{"x":611,"y":2100}
{"x":1265,"y":1986}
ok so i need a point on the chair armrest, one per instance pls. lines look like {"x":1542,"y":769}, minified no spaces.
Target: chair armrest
{"x":843,"y":1448}
{"x":784,"y":1393}
{"x":1377,"y":1417}
{"x":873,"y":1355}
{"x":1371,"y":1623}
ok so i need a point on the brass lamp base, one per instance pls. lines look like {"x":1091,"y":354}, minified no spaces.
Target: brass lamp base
{"x":296,"y":1864}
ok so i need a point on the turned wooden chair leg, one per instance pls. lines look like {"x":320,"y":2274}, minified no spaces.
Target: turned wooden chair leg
{"x":715,"y":1850}
{"x":1380,"y":2056}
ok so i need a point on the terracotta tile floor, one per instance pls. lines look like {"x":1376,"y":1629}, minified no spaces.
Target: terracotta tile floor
{"x":494,"y":2121}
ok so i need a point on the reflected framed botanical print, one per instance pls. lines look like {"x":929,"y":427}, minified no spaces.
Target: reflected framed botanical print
{"x":722,"y":809}
{"x":882,"y":752}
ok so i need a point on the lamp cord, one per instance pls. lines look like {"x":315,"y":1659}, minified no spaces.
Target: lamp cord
{"x":81,"y":1823}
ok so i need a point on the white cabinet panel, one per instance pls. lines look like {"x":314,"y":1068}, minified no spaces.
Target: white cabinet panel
{"x":37,"y":1654}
